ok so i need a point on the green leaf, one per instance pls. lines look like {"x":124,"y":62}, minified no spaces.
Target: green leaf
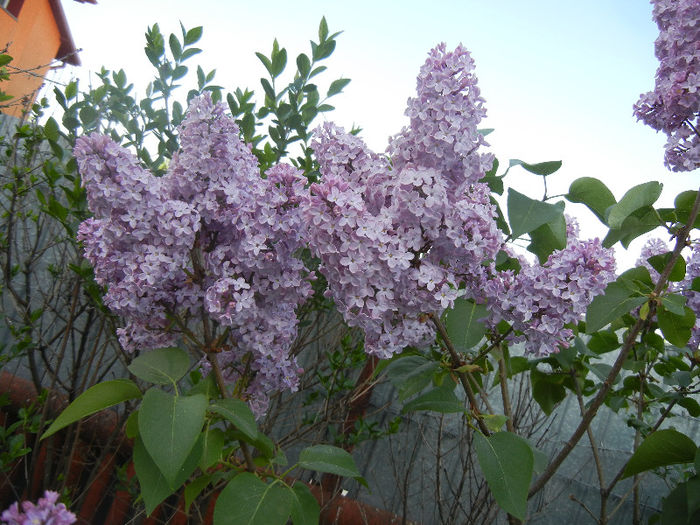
{"x":266,"y":62}
{"x":411,"y":374}
{"x":541,"y":168}
{"x":494,"y":422}
{"x":693,"y":496}
{"x":602,"y":342}
{"x":279,"y":62}
{"x":464,"y":323}
{"x":659,"y":262}
{"x":616,"y":301}
{"x":212,"y":445}
{"x":206,"y":386}
{"x":674,"y":303}
{"x":304,"y":65}
{"x":193,"y":35}
{"x":51,"y":129}
{"x":154,"y":487}
{"x":674,"y":508}
{"x":161,"y":366}
{"x":507,"y":463}
{"x":175,"y":47}
{"x":546,"y":391}
{"x":684,"y":204}
{"x":323,"y":50}
{"x":695,"y":285}
{"x":5,"y":59}
{"x":600,"y":370}
{"x":660,"y":449}
{"x":594,"y":194}
{"x":238,"y":413}
{"x":438,"y":399}
{"x":305,"y":509}
{"x":71,"y":90}
{"x":102,"y":395}
{"x":636,"y":198}
{"x":337,"y":86}
{"x":323,"y":29}
{"x":548,"y":238}
{"x":169,"y":427}
{"x":131,"y":427}
{"x":676,"y":328}
{"x":692,"y":406}
{"x":526,"y":214}
{"x":247,"y":500}
{"x":88,"y":115}
{"x":330,"y":459}
{"x":267,"y":87}
{"x":640,"y":222}
{"x":637,"y":279}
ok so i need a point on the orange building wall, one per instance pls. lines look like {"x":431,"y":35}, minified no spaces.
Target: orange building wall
{"x":34,"y":40}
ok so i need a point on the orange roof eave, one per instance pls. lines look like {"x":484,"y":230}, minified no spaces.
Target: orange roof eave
{"x":67,"y":52}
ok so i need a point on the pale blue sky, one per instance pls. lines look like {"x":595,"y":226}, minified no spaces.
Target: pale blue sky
{"x":559,"y":76}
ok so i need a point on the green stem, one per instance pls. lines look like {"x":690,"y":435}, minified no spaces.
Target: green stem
{"x":463,"y":377}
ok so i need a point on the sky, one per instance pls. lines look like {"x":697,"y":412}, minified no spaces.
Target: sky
{"x":559,"y":76}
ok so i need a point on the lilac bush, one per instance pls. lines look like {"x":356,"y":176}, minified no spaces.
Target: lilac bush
{"x":45,"y":512}
{"x":398,"y":236}
{"x":673,"y":107}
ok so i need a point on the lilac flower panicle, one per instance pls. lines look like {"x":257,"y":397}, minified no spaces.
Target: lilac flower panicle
{"x":674,"y":105}
{"x":45,"y":512}
{"x":541,"y":300}
{"x":402,"y":236}
{"x":444,"y":118}
{"x":211,"y":237}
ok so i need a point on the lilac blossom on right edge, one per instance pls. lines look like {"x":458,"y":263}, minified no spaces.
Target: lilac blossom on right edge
{"x":684,"y":287}
{"x":674,"y":105}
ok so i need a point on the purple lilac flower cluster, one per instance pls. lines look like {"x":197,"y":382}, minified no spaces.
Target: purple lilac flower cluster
{"x":45,"y":512}
{"x":401,"y":236}
{"x":444,"y":116}
{"x":210,"y":238}
{"x":138,"y":241}
{"x":541,"y":299}
{"x":674,"y":105}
